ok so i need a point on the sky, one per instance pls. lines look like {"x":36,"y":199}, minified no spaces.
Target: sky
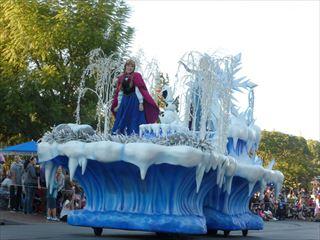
{"x":279,"y":42}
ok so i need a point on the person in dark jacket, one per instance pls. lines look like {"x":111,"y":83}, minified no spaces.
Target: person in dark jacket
{"x":16,"y":170}
{"x":31,"y":182}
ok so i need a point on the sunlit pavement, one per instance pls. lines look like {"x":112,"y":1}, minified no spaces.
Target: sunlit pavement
{"x":20,"y":226}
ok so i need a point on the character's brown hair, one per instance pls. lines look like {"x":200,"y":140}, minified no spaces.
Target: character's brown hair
{"x":129,"y":62}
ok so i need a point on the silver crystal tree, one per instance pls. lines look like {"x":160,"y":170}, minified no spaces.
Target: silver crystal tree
{"x":149,"y":70}
{"x":206,"y":84}
{"x":103,"y":69}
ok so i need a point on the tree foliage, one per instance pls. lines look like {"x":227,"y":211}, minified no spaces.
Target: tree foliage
{"x":297,"y":158}
{"x":43,"y":51}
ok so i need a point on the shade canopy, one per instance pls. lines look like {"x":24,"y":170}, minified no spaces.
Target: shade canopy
{"x":27,"y":148}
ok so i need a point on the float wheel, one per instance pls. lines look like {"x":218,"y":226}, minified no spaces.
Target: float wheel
{"x":244,"y":233}
{"x":97,"y":231}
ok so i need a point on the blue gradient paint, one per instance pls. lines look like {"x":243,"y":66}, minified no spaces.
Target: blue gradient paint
{"x":231,"y":211}
{"x":165,"y":201}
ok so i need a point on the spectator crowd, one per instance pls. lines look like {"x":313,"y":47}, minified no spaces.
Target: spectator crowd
{"x":23,"y":188}
{"x":290,"y":204}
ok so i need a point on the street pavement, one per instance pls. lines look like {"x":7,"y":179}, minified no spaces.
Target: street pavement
{"x":18,"y":226}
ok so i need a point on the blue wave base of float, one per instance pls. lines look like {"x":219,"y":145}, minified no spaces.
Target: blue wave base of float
{"x":225,"y":211}
{"x":116,"y":197}
{"x":156,"y":188}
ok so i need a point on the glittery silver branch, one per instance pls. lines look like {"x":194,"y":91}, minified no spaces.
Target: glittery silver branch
{"x":65,"y":134}
{"x":103,"y":69}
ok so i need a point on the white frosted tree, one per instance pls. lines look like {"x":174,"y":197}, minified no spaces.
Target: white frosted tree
{"x":103,"y":69}
{"x":206,"y":84}
{"x":149,"y":70}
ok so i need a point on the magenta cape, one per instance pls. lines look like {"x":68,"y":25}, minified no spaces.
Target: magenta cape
{"x":150,"y":107}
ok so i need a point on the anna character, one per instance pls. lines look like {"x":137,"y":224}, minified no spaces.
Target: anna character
{"x":132,"y":104}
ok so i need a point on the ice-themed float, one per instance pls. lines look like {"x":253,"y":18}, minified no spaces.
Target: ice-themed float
{"x":192,"y":173}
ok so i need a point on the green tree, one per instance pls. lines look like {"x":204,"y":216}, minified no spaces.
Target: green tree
{"x":294,"y":156}
{"x":43,"y":51}
{"x":314,"y":147}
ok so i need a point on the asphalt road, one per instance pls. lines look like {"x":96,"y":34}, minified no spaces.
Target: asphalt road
{"x":18,"y":226}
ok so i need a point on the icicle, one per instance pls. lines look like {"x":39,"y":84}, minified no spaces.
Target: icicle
{"x":221,"y":181}
{"x":73,"y":164}
{"x":199,"y":175}
{"x":208,"y":164}
{"x":214,"y":161}
{"x":218,"y":173}
{"x":235,"y":141}
{"x":271,"y":164}
{"x":228,"y":184}
{"x":251,"y":186}
{"x":83,"y":164}
{"x":222,"y":172}
{"x":143,"y":170}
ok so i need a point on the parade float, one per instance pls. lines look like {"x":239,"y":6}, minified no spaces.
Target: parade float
{"x":194,"y":172}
